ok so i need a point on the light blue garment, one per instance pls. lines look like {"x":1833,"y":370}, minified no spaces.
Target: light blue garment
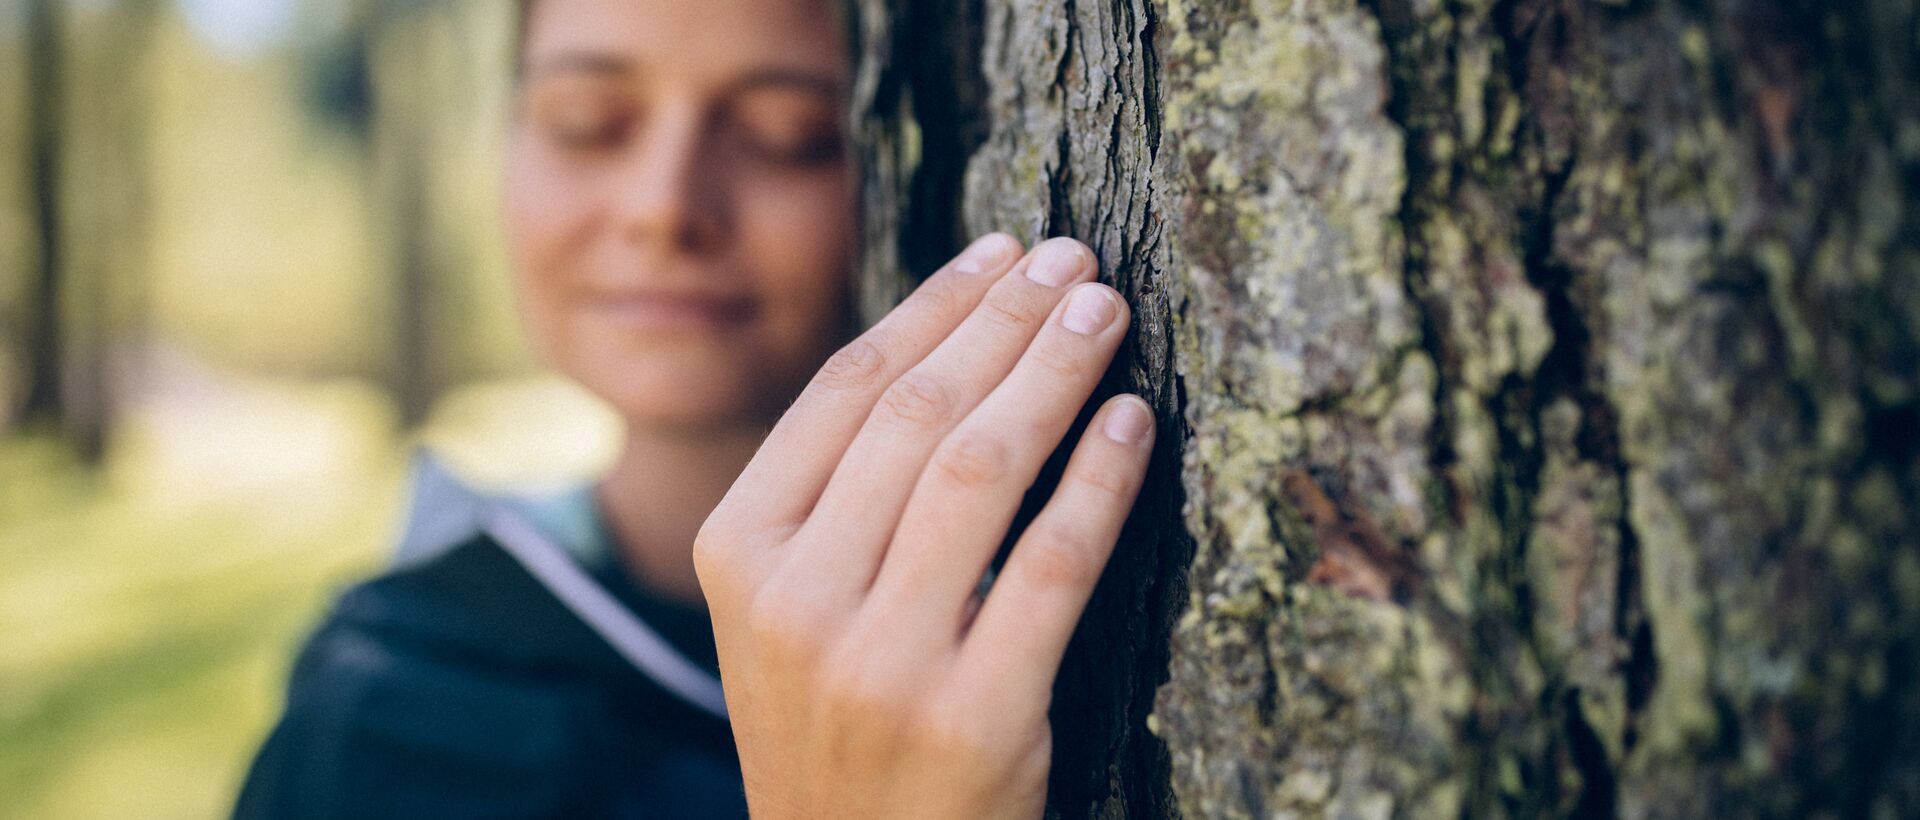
{"x":444,"y":512}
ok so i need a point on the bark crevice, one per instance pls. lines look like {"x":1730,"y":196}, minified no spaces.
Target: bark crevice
{"x":1542,"y":381}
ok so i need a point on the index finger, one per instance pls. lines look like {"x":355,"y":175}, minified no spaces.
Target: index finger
{"x":786,"y":476}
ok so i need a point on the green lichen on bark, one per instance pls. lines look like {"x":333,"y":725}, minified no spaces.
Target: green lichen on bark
{"x":1640,"y":247}
{"x":1299,"y":349}
{"x":1751,"y":304}
{"x":1540,"y":397}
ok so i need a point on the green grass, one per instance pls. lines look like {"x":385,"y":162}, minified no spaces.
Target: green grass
{"x":147,"y":644}
{"x":149,"y":609}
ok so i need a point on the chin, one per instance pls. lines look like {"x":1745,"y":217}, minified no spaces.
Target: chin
{"x":702,"y":404}
{"x":693,"y":384}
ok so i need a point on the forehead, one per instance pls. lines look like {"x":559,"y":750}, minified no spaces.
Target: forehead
{"x":714,"y":39}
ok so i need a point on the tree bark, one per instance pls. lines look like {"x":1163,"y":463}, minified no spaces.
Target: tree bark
{"x":1019,"y":117}
{"x":1538,"y":380}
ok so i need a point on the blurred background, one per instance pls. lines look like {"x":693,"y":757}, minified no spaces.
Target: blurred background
{"x":248,"y":264}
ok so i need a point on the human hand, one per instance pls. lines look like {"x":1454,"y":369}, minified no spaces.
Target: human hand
{"x":864,"y":676}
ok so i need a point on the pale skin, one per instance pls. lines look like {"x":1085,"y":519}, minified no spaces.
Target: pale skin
{"x":688,"y":261}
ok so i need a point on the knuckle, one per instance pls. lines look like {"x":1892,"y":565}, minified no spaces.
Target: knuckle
{"x":713,"y":561}
{"x":973,"y":459}
{"x":862,"y":690}
{"x":1060,"y":361}
{"x":1064,"y":558}
{"x":783,"y":621}
{"x":918,"y":398}
{"x":937,"y":297}
{"x":728,"y":558}
{"x":1004,"y":313}
{"x":1112,"y":484}
{"x":854,"y":367}
{"x":956,"y":733}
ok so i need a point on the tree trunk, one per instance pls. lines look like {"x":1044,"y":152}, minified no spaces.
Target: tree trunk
{"x":46,"y":129}
{"x":413,"y":89}
{"x":1538,"y":379}
{"x":88,"y":165}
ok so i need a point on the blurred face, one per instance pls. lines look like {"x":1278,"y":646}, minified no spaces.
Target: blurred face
{"x":679,"y":203}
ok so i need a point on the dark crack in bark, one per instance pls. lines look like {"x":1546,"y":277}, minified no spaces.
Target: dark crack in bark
{"x":1544,"y":376}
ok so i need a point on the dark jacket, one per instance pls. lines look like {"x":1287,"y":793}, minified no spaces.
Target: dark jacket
{"x":471,"y":681}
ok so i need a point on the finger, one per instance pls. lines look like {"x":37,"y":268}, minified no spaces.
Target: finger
{"x":784,"y":479}
{"x":1015,"y":645}
{"x":973,"y":485}
{"x":842,"y":542}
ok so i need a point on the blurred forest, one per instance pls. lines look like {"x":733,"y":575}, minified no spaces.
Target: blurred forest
{"x":247,"y":265}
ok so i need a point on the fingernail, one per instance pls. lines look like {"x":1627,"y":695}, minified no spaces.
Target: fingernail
{"x":1057,"y":262}
{"x":1129,"y":421}
{"x":1089,"y":310}
{"x":986,"y":253}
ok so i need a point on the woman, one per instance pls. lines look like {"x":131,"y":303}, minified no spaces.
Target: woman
{"x":680,"y":211}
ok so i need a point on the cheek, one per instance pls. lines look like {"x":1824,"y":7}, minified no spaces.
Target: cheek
{"x":546,"y":215}
{"x":544,"y":207}
{"x":800,"y":236}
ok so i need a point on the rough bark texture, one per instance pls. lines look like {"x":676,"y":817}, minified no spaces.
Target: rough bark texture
{"x":1038,"y":120}
{"x":1543,"y":377}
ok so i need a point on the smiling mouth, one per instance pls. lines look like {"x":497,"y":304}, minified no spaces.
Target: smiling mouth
{"x":673,"y":311}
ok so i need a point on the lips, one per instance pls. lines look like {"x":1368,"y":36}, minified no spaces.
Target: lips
{"x":672,"y":310}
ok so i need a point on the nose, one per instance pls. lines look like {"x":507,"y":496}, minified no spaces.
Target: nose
{"x":664,"y":194}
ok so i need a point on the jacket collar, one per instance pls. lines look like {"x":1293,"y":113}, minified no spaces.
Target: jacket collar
{"x":556,"y":542}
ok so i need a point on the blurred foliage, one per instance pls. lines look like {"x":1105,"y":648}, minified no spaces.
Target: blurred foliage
{"x":266,"y":225}
{"x":248,"y":185}
{"x":146,"y":645}
{"x":151,"y":607}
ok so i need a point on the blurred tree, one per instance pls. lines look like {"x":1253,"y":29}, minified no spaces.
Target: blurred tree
{"x":407,"y":87}
{"x":89,"y":178}
{"x":337,"y":80}
{"x":406,"y":83}
{"x":1547,"y":377}
{"x":41,"y":316}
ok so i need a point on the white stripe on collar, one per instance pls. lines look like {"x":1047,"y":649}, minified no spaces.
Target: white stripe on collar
{"x":555,"y":569}
{"x":445,"y":512}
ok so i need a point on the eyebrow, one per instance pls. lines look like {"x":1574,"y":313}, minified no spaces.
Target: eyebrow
{"x":790,"y":78}
{"x":764,"y":77}
{"x":576,"y":62}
